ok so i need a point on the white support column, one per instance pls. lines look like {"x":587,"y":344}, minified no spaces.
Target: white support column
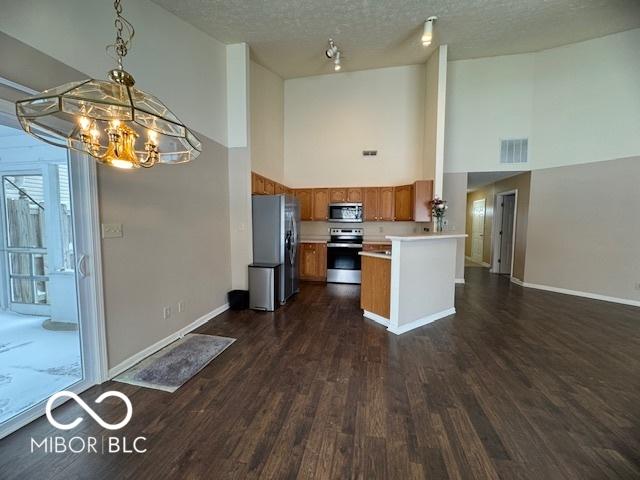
{"x":238,"y":103}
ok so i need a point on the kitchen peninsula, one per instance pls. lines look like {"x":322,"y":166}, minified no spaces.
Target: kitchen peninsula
{"x":411,"y":285}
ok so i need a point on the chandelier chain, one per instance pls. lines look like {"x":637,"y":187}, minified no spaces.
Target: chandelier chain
{"x":124,"y":35}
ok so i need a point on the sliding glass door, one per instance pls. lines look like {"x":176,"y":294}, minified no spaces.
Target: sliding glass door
{"x":48,"y":337}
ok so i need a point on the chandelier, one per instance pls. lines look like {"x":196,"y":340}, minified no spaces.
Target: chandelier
{"x":113,"y":121}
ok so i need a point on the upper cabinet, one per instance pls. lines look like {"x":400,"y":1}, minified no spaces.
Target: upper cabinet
{"x":386,"y":204}
{"x":305,"y":199}
{"x":321,"y":204}
{"x":337,"y":195}
{"x":422,"y":196}
{"x":370,"y":201}
{"x":354,"y":195}
{"x":403,"y":203}
{"x":264,"y":186}
{"x":257,"y":184}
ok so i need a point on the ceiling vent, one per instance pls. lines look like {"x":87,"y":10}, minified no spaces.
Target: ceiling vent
{"x":369,"y":153}
{"x":514,"y":150}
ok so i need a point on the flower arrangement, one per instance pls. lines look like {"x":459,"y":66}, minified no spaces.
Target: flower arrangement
{"x":438,"y":210}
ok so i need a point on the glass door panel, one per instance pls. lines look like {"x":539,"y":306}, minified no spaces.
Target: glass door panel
{"x":40,"y":334}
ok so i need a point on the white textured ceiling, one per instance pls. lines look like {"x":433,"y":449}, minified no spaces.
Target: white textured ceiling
{"x":289,"y":36}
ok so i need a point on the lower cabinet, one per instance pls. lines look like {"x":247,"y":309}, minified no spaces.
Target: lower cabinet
{"x":313,"y":261}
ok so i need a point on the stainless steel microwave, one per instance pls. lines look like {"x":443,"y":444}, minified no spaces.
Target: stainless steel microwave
{"x":345,"y":212}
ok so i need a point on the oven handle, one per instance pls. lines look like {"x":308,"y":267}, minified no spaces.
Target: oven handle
{"x":344,"y":245}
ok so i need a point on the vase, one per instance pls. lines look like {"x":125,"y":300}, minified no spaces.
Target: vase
{"x":439,"y":224}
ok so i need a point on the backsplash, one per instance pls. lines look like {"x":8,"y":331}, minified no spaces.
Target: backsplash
{"x":371,"y":229}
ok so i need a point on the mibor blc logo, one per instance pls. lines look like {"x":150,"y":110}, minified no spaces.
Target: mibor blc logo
{"x":88,"y":444}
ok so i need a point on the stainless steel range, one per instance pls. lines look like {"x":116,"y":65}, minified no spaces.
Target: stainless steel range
{"x":343,"y":261}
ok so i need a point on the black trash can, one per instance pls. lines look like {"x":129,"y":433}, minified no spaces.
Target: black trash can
{"x":238,"y":299}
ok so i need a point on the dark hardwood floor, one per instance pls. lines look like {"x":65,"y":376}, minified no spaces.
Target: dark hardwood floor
{"x":518,"y":384}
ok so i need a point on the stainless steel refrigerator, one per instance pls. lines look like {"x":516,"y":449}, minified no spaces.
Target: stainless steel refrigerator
{"x":276,"y":222}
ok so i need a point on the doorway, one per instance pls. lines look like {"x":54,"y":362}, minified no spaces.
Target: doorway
{"x":51,"y":320}
{"x":505,"y":231}
{"x":477,"y":230}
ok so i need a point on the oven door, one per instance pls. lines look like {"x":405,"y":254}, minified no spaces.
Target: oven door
{"x":343,"y":263}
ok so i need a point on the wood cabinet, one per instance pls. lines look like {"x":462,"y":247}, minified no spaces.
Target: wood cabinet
{"x":354,"y":195}
{"x":321,"y":204}
{"x":269,"y":187}
{"x":313,"y":261}
{"x":403,"y":203}
{"x":370,"y":201}
{"x":257,"y":184}
{"x":337,"y":195}
{"x":375,"y":291}
{"x":422,"y":197}
{"x":386,"y":204}
{"x":305,"y":199}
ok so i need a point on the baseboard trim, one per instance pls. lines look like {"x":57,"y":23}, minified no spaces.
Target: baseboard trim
{"x":150,"y":350}
{"x":577,"y":293}
{"x":376,"y":318}
{"x":421,"y":321}
{"x":460,"y":281}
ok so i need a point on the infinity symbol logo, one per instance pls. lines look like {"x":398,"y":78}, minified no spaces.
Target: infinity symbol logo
{"x":89,"y":410}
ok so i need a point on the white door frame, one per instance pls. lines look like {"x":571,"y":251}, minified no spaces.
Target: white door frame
{"x":495,"y":231}
{"x":86,"y":220}
{"x":473,"y":233}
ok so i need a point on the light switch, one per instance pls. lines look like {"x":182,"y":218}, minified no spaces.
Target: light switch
{"x":111,"y":230}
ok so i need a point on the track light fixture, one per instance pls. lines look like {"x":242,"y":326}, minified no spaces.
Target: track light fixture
{"x":427,"y":33}
{"x":332,"y":50}
{"x":334,"y":53}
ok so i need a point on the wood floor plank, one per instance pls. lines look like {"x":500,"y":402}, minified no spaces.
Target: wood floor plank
{"x":518,"y":384}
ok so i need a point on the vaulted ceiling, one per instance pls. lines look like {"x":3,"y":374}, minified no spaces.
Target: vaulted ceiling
{"x":289,"y":36}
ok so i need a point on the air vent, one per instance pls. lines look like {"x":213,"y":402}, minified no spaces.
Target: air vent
{"x":514,"y":150}
{"x":369,"y":153}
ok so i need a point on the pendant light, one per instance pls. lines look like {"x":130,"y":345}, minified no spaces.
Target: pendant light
{"x":113,"y":121}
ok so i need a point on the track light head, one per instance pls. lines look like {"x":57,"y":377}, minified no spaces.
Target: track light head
{"x":336,"y":61}
{"x":332,"y":50}
{"x":427,"y":32}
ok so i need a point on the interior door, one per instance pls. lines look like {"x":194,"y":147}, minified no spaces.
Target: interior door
{"x":506,"y":233}
{"x":477,"y":230}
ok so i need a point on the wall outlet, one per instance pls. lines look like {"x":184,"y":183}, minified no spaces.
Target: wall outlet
{"x":166,"y":312}
{"x":180,"y":307}
{"x":111,"y":230}
{"x":638,"y":286}
{"x":381,"y":229}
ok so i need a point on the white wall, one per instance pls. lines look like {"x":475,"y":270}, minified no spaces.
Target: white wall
{"x":584,"y":228}
{"x":176,"y":245}
{"x":330,"y":119}
{"x":267,"y":123}
{"x":170,"y":58}
{"x":454,"y":191}
{"x":577,"y":104}
{"x":586,"y":103}
{"x":174,"y":248}
{"x":488,"y":99}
